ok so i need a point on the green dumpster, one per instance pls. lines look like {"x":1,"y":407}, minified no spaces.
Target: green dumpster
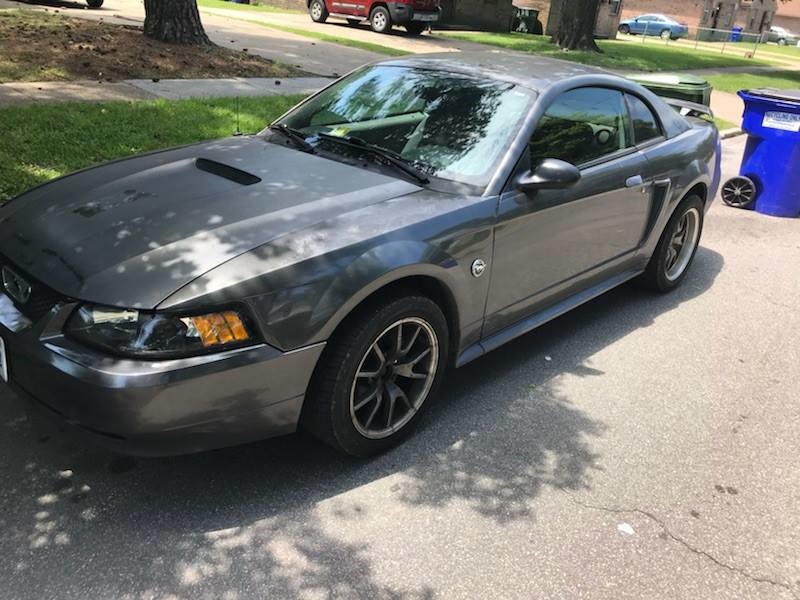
{"x":681,"y":86}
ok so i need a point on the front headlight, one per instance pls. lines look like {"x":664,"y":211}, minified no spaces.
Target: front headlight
{"x":155,"y":335}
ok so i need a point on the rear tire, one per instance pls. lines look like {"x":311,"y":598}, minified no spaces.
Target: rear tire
{"x":415,"y":27}
{"x":781,"y":42}
{"x":666,"y":34}
{"x":677,"y":247}
{"x":318,"y":11}
{"x":94,"y":3}
{"x":362,"y":401}
{"x":380,"y":20}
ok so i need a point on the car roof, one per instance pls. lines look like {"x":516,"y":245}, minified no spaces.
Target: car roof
{"x":659,"y":15}
{"x":522,"y":68}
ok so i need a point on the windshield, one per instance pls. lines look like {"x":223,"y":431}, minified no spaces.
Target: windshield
{"x":449,"y":126}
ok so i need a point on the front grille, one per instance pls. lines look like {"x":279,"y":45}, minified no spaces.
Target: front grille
{"x":42,"y":298}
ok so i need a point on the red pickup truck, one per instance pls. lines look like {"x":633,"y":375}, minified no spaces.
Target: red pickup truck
{"x":414,"y":15}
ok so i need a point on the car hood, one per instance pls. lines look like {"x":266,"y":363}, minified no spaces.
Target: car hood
{"x":131,"y":232}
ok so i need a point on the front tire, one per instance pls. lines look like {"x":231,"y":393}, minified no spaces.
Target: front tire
{"x":380,"y":20}
{"x":318,"y":11}
{"x":377,"y":375}
{"x":677,"y":247}
{"x":94,"y":3}
{"x":625,"y":29}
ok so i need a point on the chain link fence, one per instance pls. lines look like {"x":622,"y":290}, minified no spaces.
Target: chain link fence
{"x":730,"y":41}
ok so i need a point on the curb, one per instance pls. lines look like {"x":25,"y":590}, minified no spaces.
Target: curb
{"x":730,"y":133}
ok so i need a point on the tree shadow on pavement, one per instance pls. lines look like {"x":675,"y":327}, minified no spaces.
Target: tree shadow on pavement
{"x":77,"y":521}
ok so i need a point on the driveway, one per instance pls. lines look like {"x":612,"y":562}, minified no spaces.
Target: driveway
{"x":641,"y":447}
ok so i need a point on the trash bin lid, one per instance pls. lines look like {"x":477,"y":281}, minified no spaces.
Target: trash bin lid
{"x":668,"y":79}
{"x":787,"y":95}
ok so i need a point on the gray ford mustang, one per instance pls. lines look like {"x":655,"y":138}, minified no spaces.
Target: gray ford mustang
{"x":322,"y":274}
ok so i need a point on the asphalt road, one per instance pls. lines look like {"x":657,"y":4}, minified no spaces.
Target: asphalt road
{"x":642,"y":447}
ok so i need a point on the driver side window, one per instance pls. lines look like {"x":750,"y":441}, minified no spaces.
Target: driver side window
{"x":581,"y":126}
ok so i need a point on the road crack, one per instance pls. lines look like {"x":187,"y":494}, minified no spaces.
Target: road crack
{"x":684,"y":543}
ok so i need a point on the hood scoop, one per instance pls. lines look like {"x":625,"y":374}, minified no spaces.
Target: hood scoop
{"x":226,"y":171}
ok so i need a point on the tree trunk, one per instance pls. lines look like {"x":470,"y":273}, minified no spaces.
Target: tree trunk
{"x":174,"y":21}
{"x":576,"y":25}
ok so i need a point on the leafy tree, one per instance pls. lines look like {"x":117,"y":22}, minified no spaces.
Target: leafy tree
{"x":576,"y":25}
{"x":174,"y":21}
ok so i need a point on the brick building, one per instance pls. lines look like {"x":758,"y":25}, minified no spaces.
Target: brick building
{"x":608,"y":15}
{"x":788,"y":15}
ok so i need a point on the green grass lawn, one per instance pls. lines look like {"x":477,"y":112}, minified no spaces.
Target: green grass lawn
{"x":628,"y":56}
{"x":244,"y":7}
{"x":788,"y":51}
{"x":733,"y":82}
{"x":42,"y":141}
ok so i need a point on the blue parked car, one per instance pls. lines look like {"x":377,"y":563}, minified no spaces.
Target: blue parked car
{"x":654,"y":24}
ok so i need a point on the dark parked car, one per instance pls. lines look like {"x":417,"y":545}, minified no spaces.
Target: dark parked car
{"x":415,"y":214}
{"x":654,"y":24}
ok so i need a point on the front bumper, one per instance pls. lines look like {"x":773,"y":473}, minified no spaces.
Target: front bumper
{"x":156,"y":407}
{"x":403,"y":13}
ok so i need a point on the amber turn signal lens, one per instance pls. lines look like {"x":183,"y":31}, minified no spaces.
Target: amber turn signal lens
{"x":220,"y":328}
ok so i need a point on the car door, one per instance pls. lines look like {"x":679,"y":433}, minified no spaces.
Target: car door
{"x":347,"y":7}
{"x":550,"y":244}
{"x":639,"y":23}
{"x":652,"y":25}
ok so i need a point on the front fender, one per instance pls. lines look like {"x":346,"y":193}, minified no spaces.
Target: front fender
{"x":382,"y":266}
{"x":300,"y":287}
{"x":308,"y":313}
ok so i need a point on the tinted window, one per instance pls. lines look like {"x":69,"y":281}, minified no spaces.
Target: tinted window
{"x":581,"y":126}
{"x":451,"y":126}
{"x":645,"y":124}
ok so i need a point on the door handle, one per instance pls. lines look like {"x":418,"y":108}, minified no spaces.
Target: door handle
{"x":634,"y":181}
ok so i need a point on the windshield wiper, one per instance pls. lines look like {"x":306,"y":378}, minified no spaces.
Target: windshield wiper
{"x":387,"y":157}
{"x":297,"y":136}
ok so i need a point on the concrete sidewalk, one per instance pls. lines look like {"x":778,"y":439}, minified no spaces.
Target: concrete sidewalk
{"x":727,"y":106}
{"x":147,"y":89}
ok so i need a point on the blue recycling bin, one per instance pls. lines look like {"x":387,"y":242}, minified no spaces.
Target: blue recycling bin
{"x":772,"y":154}
{"x":736,"y":34}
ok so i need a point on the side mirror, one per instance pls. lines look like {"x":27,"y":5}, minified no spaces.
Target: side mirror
{"x":549,"y":174}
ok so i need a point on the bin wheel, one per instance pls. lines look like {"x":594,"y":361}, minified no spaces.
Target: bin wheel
{"x":739,"y":192}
